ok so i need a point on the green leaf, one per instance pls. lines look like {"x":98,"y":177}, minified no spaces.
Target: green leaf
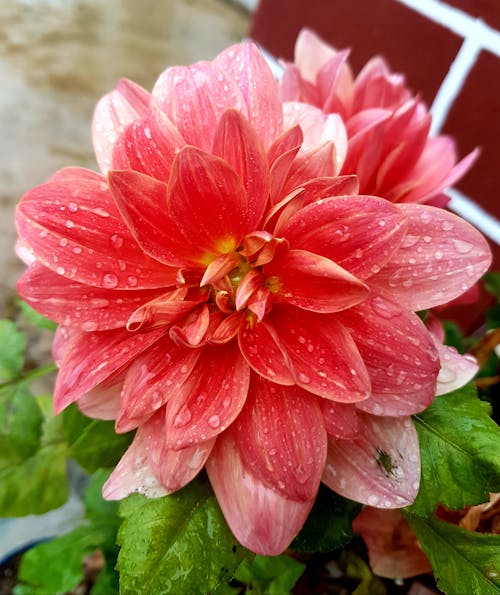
{"x":20,"y":424}
{"x":92,"y":442}
{"x":12,"y":347}
{"x":273,"y":575}
{"x":459,"y":452}
{"x":492,"y":284}
{"x":329,"y":524}
{"x":178,"y":544}
{"x":460,"y":559}
{"x":35,"y":318}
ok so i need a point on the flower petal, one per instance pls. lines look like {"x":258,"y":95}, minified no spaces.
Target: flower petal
{"x":248,"y":68}
{"x":380,"y":466}
{"x":75,"y":304}
{"x":237,"y":143}
{"x":456,"y":369}
{"x":103,"y":401}
{"x":399,"y":354}
{"x":116,"y":110}
{"x":359,"y":233}
{"x":341,"y":419}
{"x":152,"y":379}
{"x":207,"y":201}
{"x":195,"y":97}
{"x":262,"y":519}
{"x":321,"y":354}
{"x":148,"y":146}
{"x":90,"y":358}
{"x":439,"y":259}
{"x":281,"y":438}
{"x":314,"y":283}
{"x":311,"y":54}
{"x":73,"y":227}
{"x":210,"y":399}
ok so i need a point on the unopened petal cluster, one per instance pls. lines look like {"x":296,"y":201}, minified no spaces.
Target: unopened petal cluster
{"x":224,"y":290}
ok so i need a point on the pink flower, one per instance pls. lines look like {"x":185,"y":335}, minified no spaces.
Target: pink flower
{"x":389,"y":146}
{"x":221,"y":289}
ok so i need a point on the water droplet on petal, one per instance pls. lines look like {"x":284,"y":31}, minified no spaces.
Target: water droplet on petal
{"x":304,"y":378}
{"x":132,"y":281}
{"x":117,"y":240}
{"x":373,"y":500}
{"x":110,"y":281}
{"x":214,"y":421}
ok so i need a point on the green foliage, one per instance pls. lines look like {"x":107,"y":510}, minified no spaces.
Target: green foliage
{"x":328,"y":525}
{"x":56,"y":567}
{"x":34,"y":318}
{"x":92,"y":442}
{"x":272,"y":575}
{"x":460,"y":558}
{"x":178,"y":544}
{"x":459,"y":452}
{"x":12,"y":347}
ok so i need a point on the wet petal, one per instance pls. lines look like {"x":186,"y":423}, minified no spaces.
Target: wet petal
{"x":341,"y":419}
{"x":116,"y":110}
{"x":456,"y":369}
{"x":74,"y":228}
{"x":380,"y":466}
{"x":262,"y":519}
{"x":281,"y":438}
{"x":210,"y":399}
{"x":103,"y":401}
{"x":399,"y":354}
{"x":440,"y":258}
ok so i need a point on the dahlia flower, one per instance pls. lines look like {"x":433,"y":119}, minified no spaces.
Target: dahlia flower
{"x":223,"y":291}
{"x":389,"y":146}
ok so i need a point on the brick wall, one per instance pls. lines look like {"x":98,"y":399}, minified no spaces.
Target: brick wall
{"x":450,"y":54}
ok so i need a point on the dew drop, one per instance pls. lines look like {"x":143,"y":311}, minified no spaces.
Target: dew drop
{"x":132,"y":281}
{"x":438,"y":255}
{"x":89,"y":326}
{"x":447,"y":225}
{"x":462,"y":247}
{"x":273,"y":452}
{"x":60,"y":270}
{"x":214,"y":421}
{"x":183,"y":418}
{"x":70,"y":224}
{"x":73,"y":207}
{"x":373,"y":500}
{"x":63,"y":242}
{"x":117,"y":240}
{"x":110,"y":281}
{"x":304,"y":378}
{"x":385,"y":309}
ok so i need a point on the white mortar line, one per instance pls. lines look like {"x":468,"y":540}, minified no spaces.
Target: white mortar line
{"x":453,"y":82}
{"x":470,"y":210}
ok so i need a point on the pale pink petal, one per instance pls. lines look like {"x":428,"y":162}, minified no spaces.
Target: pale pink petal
{"x":440,"y":258}
{"x":134,"y":473}
{"x":456,"y":369}
{"x":399,"y":354}
{"x":335,"y":84}
{"x":210,"y":399}
{"x":148,"y":146}
{"x":380,"y":466}
{"x":316,"y":163}
{"x":321,"y":354}
{"x":377,"y":86}
{"x":152,"y":379}
{"x":312,"y":282}
{"x":116,"y":110}
{"x":62,"y":338}
{"x":237,"y":143}
{"x":341,"y":419}
{"x":208,"y":202}
{"x":195,"y":97}
{"x":311,"y":54}
{"x":75,"y":304}
{"x":262,"y":519}
{"x":74,"y":228}
{"x":281,"y":156}
{"x":90,"y":358}
{"x":393,"y":548}
{"x":359,"y":233}
{"x":103,"y":401}
{"x":248,"y":68}
{"x":193,"y":329}
{"x":281,"y":438}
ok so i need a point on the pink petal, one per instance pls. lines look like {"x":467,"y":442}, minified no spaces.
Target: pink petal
{"x":148,"y":146}
{"x":207,"y":201}
{"x":316,"y":163}
{"x":320,"y":353}
{"x":281,"y":438}
{"x":314,"y":283}
{"x":262,"y":519}
{"x":282,"y":162}
{"x":174,"y":468}
{"x":311,"y":54}
{"x":380,"y":466}
{"x":116,"y":110}
{"x":334,"y":81}
{"x":399,"y":354}
{"x":341,"y":419}
{"x":103,"y":401}
{"x":456,"y":369}
{"x":440,"y":258}
{"x":359,"y":233}
{"x":73,"y":227}
{"x":195,"y":97}
{"x":377,"y":86}
{"x":134,"y":472}
{"x":286,"y":142}
{"x":90,"y":358}
{"x":192,"y":331}
{"x":248,"y":68}
{"x":393,"y":548}
{"x":142,"y":202}
{"x":74,"y":304}
{"x":237,"y":143}
{"x":210,"y":399}
{"x":152,"y":379}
